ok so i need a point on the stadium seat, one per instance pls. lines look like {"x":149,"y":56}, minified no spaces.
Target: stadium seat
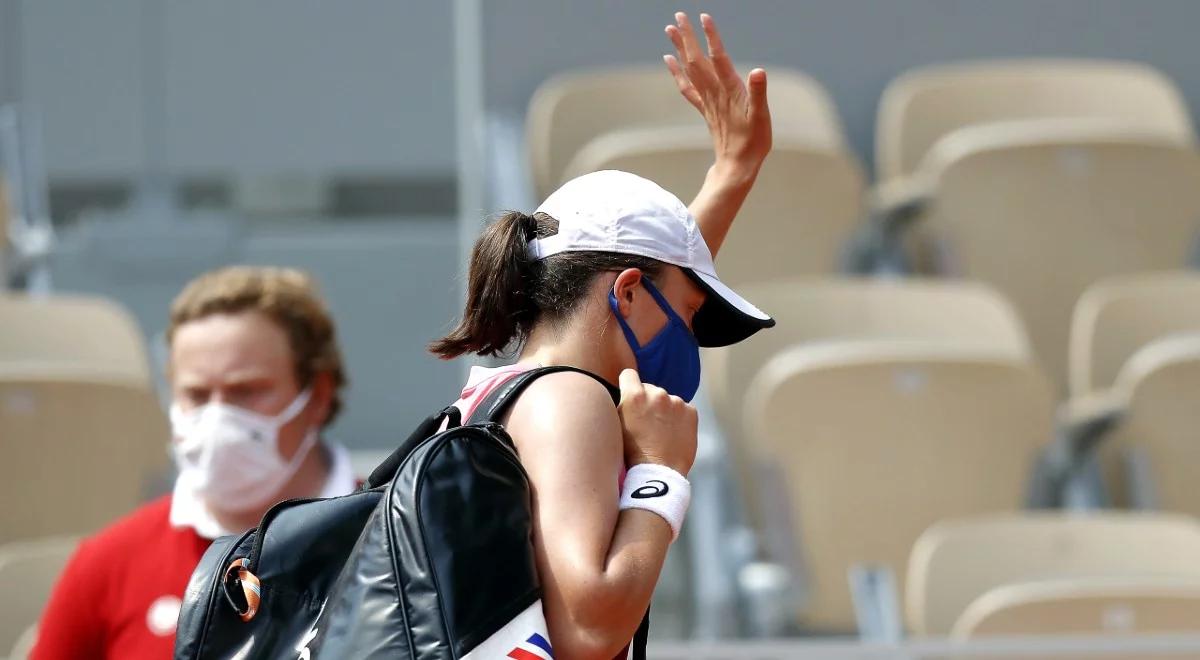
{"x":1085,"y":606}
{"x":1117,"y":316}
{"x":76,"y":407}
{"x":876,"y":441}
{"x":24,"y":646}
{"x":28,"y":571}
{"x":1156,"y":433}
{"x":72,"y":336}
{"x":1043,"y":211}
{"x":955,"y":562}
{"x":74,"y":453}
{"x":804,"y":206}
{"x":570,"y":110}
{"x":815,"y":310}
{"x":923,"y":105}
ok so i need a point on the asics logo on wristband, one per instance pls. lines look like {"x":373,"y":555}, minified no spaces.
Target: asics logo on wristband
{"x":649,"y":490}
{"x":657,"y":489}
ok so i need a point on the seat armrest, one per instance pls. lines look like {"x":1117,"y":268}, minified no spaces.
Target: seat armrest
{"x":1083,"y":421}
{"x":893,"y":204}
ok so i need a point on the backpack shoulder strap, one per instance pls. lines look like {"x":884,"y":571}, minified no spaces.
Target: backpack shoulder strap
{"x":495,"y":405}
{"x":384,"y":472}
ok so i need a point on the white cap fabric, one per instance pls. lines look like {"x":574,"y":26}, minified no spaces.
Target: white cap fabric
{"x":613,"y":211}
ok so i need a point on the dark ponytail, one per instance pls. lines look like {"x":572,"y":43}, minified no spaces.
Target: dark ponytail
{"x":508,"y":291}
{"x":499,"y":308}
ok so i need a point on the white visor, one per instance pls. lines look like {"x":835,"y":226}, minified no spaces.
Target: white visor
{"x":612,"y":211}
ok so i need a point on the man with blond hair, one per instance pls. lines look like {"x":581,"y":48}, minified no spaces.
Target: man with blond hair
{"x":256,"y":375}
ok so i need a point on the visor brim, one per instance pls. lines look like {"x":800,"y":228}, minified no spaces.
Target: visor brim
{"x":725,"y":317}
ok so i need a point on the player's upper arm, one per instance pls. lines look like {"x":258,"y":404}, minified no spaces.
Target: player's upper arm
{"x":568,"y":435}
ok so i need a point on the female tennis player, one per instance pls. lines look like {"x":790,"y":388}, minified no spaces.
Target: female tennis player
{"x":614,"y":275}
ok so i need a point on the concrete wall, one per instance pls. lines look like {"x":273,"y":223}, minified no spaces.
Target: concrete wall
{"x":273,"y":85}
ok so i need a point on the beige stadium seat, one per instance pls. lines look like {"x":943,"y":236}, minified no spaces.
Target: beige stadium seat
{"x":1117,"y":316}
{"x":805,"y":204}
{"x":1161,"y":419}
{"x":818,"y":310}
{"x":876,"y":441}
{"x":24,"y":646}
{"x":28,"y":572}
{"x":813,"y":311}
{"x":74,"y":454}
{"x":570,"y":110}
{"x":72,"y":336}
{"x":1085,"y":606}
{"x":1042,"y":212}
{"x":955,"y":562}
{"x":921,"y":106}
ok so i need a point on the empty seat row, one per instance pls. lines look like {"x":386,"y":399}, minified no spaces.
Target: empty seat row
{"x":1022,"y":574}
{"x":1041,"y":213}
{"x":570,"y":111}
{"x":819,"y":310}
{"x":873,"y":410}
{"x":873,"y":442}
{"x":858,"y":448}
{"x":877,"y":408}
{"x":922,"y":106}
{"x":1005,"y":574}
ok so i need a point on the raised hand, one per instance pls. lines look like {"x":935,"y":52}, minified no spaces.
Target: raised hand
{"x":735,"y":110}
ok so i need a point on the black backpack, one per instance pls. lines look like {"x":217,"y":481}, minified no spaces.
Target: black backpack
{"x":431,"y":559}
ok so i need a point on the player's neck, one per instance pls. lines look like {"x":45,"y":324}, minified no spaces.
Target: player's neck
{"x":585,"y":346}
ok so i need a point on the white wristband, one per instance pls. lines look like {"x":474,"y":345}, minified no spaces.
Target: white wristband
{"x":659,"y":489}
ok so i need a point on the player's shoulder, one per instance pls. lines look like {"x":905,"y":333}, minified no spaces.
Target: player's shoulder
{"x":567,"y":390}
{"x":565,"y":420}
{"x":564,"y":401}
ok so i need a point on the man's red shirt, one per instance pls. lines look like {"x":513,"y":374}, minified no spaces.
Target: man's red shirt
{"x":119,"y":595}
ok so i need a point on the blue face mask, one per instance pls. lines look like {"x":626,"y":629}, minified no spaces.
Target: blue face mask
{"x":671,"y":360}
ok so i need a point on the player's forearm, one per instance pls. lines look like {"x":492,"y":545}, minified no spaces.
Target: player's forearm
{"x":725,"y":188}
{"x":599,"y":614}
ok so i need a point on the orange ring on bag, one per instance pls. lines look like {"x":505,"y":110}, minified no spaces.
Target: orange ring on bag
{"x":250,"y":584}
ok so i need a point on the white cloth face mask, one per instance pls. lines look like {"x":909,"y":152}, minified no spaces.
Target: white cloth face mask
{"x":230,"y":456}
